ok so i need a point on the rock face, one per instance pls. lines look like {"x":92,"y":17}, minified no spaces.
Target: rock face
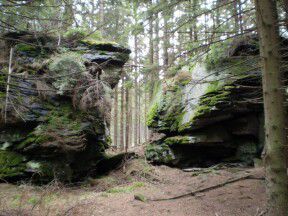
{"x":216,"y":115}
{"x":58,"y":106}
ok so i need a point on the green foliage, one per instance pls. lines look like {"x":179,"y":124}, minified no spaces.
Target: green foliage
{"x":160,"y":154}
{"x":11,"y":164}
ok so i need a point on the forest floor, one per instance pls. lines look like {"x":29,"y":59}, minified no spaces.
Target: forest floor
{"x":120,"y":193}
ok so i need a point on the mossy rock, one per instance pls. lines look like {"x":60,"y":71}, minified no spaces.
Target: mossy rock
{"x":178,"y":140}
{"x":159,"y":154}
{"x":11,"y":165}
{"x":247,"y":151}
{"x":103,"y":45}
{"x":31,"y":50}
{"x":140,"y":197}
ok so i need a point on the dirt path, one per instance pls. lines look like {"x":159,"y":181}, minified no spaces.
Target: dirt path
{"x":242,"y":198}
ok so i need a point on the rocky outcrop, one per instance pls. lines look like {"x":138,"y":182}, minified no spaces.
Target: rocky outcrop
{"x":217,"y":115}
{"x":58,"y":106}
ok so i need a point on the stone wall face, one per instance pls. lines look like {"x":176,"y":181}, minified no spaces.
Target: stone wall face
{"x":216,"y":116}
{"x":58,"y":111}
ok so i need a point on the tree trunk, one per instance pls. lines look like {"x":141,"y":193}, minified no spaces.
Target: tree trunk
{"x":136,"y":91}
{"x":166,"y":39}
{"x":240,"y":15}
{"x":122,"y":141}
{"x":236,"y":16}
{"x":8,"y":85}
{"x":195,"y":2}
{"x":127,"y":106}
{"x":145,"y":116}
{"x":101,"y":15}
{"x":139,"y":118}
{"x":275,"y":134}
{"x":116,"y":117}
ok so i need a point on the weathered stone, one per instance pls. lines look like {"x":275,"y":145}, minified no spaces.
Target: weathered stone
{"x":216,"y":116}
{"x":52,"y":130}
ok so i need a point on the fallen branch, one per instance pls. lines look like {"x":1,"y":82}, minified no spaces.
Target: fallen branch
{"x":193,"y":193}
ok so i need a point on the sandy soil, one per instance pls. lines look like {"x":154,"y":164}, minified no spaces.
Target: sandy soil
{"x":242,"y":198}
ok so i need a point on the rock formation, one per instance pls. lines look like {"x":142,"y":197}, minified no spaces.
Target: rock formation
{"x":211,"y":111}
{"x":58,"y":105}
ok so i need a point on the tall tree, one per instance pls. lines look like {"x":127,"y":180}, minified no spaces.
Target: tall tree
{"x":115,"y":124}
{"x":274,"y":110}
{"x":166,"y":42}
{"x":127,"y":116}
{"x":122,"y":116}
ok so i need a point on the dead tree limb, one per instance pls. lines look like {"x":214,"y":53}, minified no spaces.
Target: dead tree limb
{"x":193,"y":193}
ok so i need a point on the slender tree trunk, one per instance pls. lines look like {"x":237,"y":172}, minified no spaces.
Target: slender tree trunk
{"x":285,"y":7}
{"x":276,"y":142}
{"x":166,"y":42}
{"x":122,"y":138}
{"x":136,"y":90}
{"x":127,"y":107}
{"x":157,"y":41}
{"x":116,"y":117}
{"x":101,"y":14}
{"x":139,"y":118}
{"x":151,"y":45}
{"x":206,"y":23}
{"x":156,"y":60}
{"x":145,"y":116}
{"x":195,"y":2}
{"x":236,"y":16}
{"x":240,"y":15}
{"x":153,"y":72}
{"x":8,"y":84}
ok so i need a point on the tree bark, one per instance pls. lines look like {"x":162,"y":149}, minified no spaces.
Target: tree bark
{"x":236,"y":16}
{"x":127,"y":107}
{"x":166,"y":39}
{"x":116,"y":117}
{"x":275,"y":134}
{"x":8,"y":84}
{"x":195,"y":2}
{"x":136,"y":91}
{"x":122,"y":138}
{"x":139,"y":117}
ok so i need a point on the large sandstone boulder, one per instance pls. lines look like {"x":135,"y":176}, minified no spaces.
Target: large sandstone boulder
{"x":217,"y":115}
{"x":58,"y":106}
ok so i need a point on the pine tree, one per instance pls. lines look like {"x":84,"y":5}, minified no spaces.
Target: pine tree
{"x":274,"y":110}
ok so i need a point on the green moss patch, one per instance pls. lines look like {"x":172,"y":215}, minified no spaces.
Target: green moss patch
{"x":178,"y":140}
{"x":159,"y":154}
{"x":11,"y":164}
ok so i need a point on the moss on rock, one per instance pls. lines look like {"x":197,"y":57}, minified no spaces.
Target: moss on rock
{"x":11,"y":164}
{"x":178,"y":140}
{"x":159,"y":154}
